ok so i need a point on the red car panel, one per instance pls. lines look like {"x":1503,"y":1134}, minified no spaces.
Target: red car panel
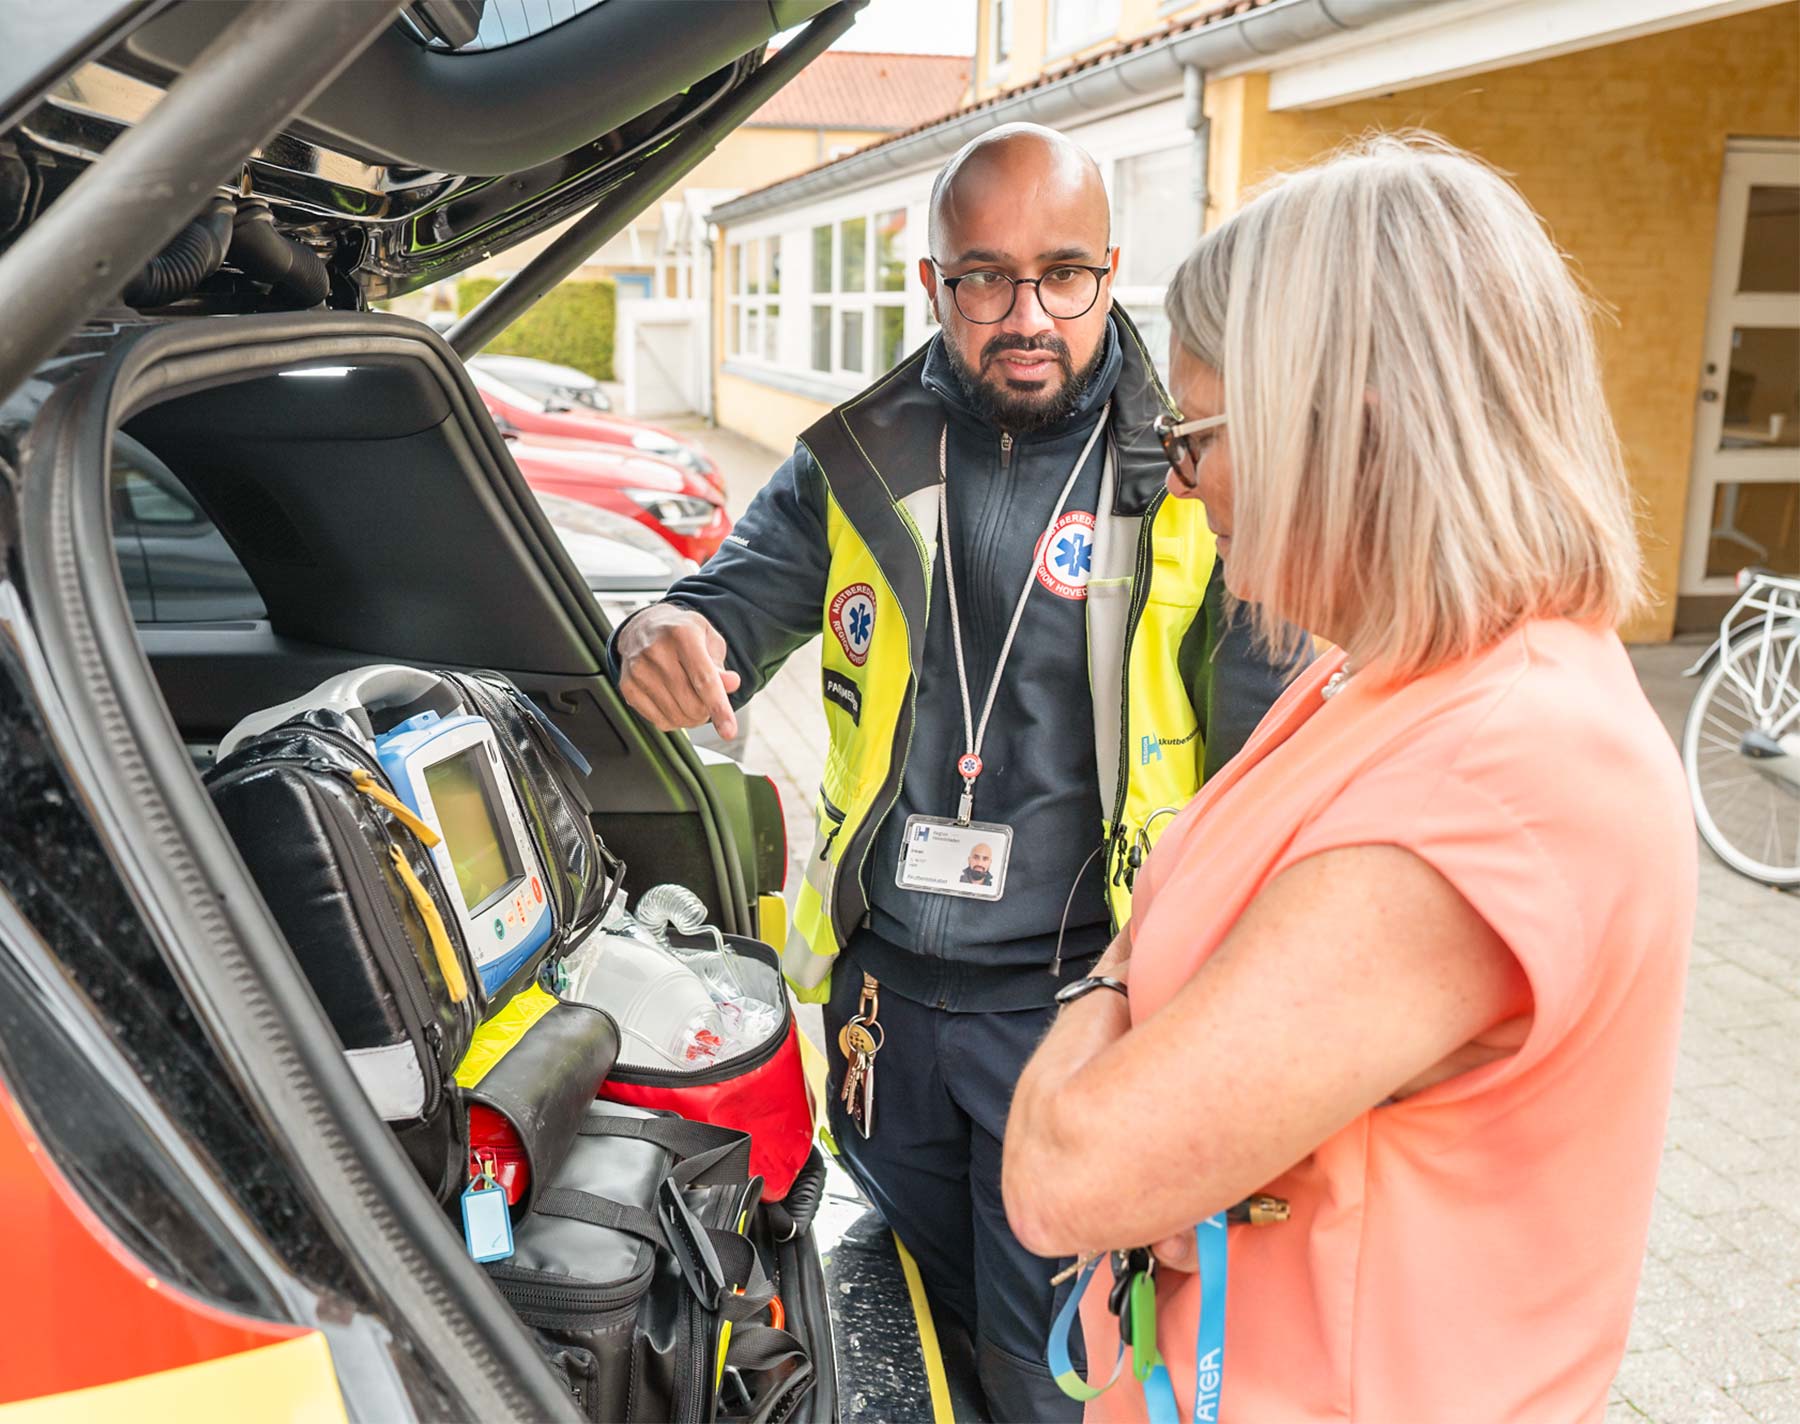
{"x":581,"y":423}
{"x":600,"y":474}
{"x":86,"y":1311}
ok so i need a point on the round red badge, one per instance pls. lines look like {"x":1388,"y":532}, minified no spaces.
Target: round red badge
{"x":1065,"y":556}
{"x":852,"y":619}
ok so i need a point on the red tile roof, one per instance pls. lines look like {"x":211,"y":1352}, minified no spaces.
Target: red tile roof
{"x":848,"y":89}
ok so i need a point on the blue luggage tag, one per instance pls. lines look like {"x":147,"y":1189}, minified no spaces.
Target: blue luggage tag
{"x":487,"y":1219}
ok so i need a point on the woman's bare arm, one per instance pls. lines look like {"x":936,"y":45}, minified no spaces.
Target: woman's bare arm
{"x":1354,"y":974}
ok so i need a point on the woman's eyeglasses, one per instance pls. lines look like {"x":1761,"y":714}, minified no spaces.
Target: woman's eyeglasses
{"x":1064,"y":292}
{"x":1177,"y":437}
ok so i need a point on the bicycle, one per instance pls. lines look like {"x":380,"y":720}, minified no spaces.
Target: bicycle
{"x":1741,"y":743}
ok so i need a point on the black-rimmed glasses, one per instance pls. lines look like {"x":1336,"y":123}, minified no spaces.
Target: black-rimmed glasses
{"x":1175,"y":435}
{"x":1065,"y":291}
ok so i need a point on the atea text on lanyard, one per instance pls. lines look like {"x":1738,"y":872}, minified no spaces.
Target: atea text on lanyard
{"x":1136,"y":1292}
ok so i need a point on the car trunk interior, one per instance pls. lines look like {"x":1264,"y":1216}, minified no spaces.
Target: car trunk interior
{"x":342,"y":483}
{"x":343,"y":458}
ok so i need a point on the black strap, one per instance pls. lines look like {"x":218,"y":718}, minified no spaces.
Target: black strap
{"x":761,"y":1347}
{"x":768,"y":1381}
{"x":600,"y":1211}
{"x":705,"y":1155}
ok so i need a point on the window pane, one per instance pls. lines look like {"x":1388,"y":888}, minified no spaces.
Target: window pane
{"x":821,"y":338}
{"x":1762,"y":388}
{"x":189,"y":572}
{"x":737,"y":269}
{"x":772,"y":333}
{"x":752,"y":332}
{"x":890,"y":337}
{"x":821,"y":259}
{"x":151,"y":503}
{"x":753,"y":262}
{"x":890,"y":251}
{"x":772,"y":265}
{"x":1002,"y":30}
{"x":734,"y":328}
{"x":853,"y":261}
{"x":1771,"y":260}
{"x":1076,"y":22}
{"x":1153,"y":325}
{"x":1156,"y":219}
{"x":1755,"y":524}
{"x":851,"y":342}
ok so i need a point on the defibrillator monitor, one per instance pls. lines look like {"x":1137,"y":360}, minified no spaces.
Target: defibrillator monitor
{"x":448,"y":769}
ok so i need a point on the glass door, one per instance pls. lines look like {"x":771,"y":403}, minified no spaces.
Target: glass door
{"x":1744,"y":505}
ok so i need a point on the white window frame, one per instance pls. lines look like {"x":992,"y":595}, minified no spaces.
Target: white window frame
{"x":866,"y":302}
{"x":1000,"y":37}
{"x":746,"y":255}
{"x":1141,"y":297}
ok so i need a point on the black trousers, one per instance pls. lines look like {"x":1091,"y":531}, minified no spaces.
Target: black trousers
{"x":943,"y":1084}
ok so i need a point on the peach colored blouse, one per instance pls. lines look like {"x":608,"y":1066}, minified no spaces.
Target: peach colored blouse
{"x":1472,"y":1252}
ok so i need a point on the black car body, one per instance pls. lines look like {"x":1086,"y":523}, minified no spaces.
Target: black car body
{"x":166,"y":273}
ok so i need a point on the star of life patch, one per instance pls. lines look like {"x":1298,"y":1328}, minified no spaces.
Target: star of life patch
{"x":852,"y":619}
{"x":1065,"y":556}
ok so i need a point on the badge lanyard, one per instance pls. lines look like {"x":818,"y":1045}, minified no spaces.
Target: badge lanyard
{"x":1147,"y":1363}
{"x":968,"y":765}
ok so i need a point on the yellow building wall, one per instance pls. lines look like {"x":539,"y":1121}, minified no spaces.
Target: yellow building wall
{"x":761,"y":413}
{"x":1031,"y":31}
{"x":747,"y":158}
{"x":1621,"y":150}
{"x":751,"y":158}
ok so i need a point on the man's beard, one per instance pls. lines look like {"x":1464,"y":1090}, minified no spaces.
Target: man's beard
{"x":1024,"y":413}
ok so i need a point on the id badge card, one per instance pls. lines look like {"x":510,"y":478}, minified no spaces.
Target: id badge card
{"x":944,"y":858}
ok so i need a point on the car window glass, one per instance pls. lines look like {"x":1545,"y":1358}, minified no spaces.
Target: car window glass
{"x":177,"y":566}
{"x":149,"y":502}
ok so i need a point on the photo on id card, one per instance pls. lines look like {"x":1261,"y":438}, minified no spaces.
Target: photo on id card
{"x":944,"y":858}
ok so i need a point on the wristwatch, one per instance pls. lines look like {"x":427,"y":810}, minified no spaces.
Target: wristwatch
{"x":1069,"y":993}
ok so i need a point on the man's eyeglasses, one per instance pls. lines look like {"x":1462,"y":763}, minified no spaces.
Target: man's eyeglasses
{"x":1177,"y":439}
{"x":1065,"y":292}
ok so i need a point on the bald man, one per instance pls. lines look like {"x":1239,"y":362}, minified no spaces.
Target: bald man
{"x":1024,"y":656}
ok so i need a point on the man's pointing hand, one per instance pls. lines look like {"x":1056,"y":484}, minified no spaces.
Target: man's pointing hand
{"x":672,"y":670}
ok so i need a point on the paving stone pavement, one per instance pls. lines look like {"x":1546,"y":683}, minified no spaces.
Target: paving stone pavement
{"x":1716,"y":1333}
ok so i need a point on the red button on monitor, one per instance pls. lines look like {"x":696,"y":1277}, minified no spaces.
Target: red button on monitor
{"x":537,"y":890}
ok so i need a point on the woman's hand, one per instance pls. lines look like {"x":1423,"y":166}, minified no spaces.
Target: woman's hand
{"x":1354,"y":974}
{"x":1117,"y":960}
{"x":1177,"y":1252}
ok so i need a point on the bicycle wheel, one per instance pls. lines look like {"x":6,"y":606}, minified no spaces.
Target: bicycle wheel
{"x":1745,"y":786}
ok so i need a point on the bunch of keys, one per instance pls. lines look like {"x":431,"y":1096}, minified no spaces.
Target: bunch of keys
{"x":860,"y":1040}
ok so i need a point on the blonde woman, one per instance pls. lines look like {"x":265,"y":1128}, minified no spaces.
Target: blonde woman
{"x":1439,"y":1017}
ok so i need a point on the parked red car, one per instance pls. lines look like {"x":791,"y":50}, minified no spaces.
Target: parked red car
{"x":680,"y":506}
{"x":514,"y":410}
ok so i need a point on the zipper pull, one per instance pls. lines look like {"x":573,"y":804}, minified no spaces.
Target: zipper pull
{"x":1006,"y":444}
{"x":394,"y":806}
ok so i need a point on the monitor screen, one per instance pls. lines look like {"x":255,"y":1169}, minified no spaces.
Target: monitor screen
{"x":468,"y":813}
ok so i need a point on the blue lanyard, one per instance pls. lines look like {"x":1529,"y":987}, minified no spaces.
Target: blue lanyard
{"x":1159,"y":1389}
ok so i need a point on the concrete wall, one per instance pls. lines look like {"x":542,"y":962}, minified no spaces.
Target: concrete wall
{"x":1621,"y":150}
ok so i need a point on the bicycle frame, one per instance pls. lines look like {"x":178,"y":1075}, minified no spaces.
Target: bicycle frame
{"x":1769,"y":602}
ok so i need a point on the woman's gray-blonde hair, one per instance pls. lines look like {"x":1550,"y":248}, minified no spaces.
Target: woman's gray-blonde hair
{"x":1422,"y":452}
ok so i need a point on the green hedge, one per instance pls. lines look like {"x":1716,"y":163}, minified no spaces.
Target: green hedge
{"x":571,"y":325}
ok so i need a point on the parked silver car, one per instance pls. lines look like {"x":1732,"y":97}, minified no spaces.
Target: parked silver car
{"x":546,"y":380}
